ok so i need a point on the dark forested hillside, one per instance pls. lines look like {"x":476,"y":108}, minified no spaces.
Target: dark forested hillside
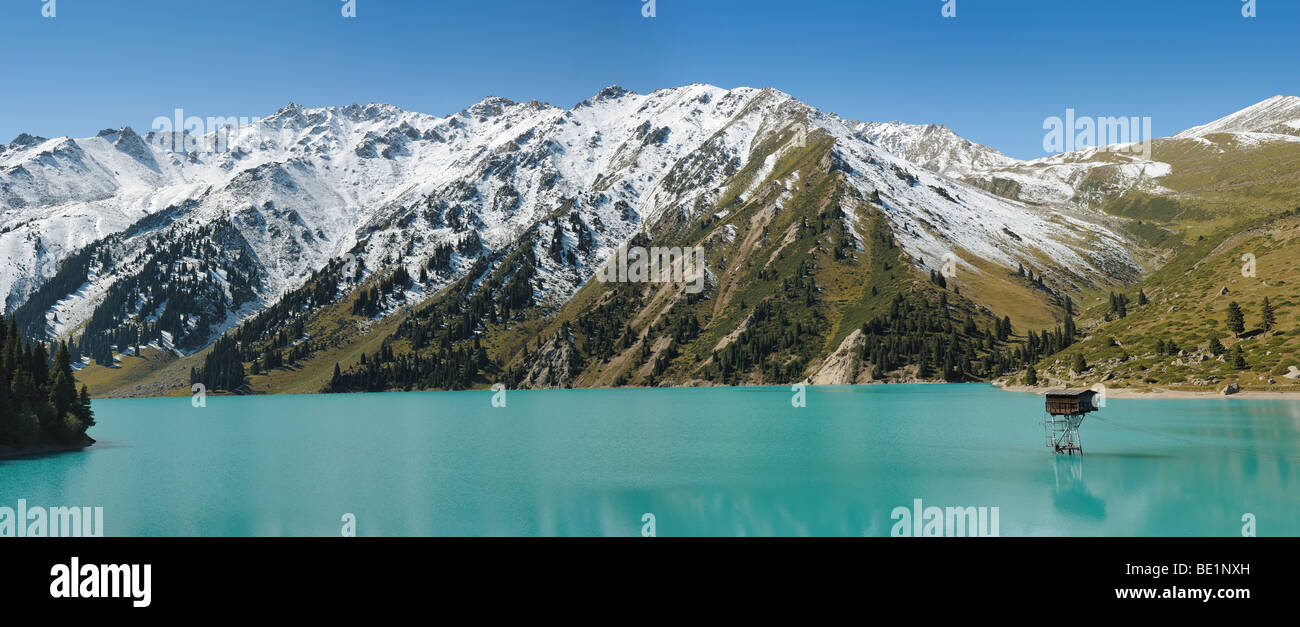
{"x":39,"y":401}
{"x":797,"y":274}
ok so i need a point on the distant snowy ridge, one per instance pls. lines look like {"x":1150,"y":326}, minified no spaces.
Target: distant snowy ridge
{"x":305,"y":186}
{"x":1278,"y":115}
{"x":934,"y":147}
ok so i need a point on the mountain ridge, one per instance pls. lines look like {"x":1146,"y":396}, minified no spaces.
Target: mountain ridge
{"x":1279,"y":115}
{"x":557,"y":190}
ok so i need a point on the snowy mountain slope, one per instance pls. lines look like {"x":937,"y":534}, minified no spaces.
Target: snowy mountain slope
{"x":1079,"y":179}
{"x":1090,"y":176}
{"x":582,"y":180}
{"x":1279,"y":115}
{"x":304,"y":186}
{"x":59,"y":195}
{"x":934,"y":216}
{"x":436,"y":194}
{"x":934,"y":147}
{"x":1072,"y":180}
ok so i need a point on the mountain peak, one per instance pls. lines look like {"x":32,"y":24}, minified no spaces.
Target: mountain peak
{"x":933,"y":146}
{"x":1279,"y":115}
{"x":489,"y":107}
{"x":289,"y":112}
{"x":611,"y":92}
{"x":23,"y":140}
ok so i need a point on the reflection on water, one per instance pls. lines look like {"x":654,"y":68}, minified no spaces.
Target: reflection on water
{"x":715,"y":461}
{"x":1072,"y":495}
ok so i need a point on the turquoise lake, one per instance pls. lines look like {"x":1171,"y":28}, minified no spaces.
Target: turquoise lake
{"x":705,"y":462}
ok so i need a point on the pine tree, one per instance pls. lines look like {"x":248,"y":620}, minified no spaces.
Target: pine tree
{"x":1268,"y":316}
{"x":39,"y":403}
{"x":84,"y":412}
{"x":63,"y":392}
{"x":1031,"y":375}
{"x":8,"y":415}
{"x":1216,"y":346}
{"x":1236,"y":319}
{"x":1239,"y":358}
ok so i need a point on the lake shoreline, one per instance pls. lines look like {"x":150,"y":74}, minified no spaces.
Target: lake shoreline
{"x":1161,"y":393}
{"x":593,"y":462}
{"x":40,"y":450}
{"x":1111,"y":392}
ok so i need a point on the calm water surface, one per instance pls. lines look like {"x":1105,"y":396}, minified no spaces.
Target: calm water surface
{"x":713,"y":461}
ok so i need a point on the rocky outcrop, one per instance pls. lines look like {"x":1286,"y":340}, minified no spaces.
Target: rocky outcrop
{"x":841,"y":367}
{"x":554,"y":365}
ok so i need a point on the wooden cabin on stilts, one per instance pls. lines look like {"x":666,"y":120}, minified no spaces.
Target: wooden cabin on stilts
{"x":1065,"y":412}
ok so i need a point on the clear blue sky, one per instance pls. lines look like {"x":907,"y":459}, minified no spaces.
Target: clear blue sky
{"x":992,"y":74}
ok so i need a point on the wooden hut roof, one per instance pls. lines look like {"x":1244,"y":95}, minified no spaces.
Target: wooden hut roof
{"x":1075,"y":393}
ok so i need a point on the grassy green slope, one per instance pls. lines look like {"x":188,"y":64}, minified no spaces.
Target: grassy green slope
{"x":1166,"y":343}
{"x":785,"y":267}
{"x":1226,"y":197}
{"x":779,"y":250}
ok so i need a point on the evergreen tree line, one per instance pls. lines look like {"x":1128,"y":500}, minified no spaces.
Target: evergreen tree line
{"x":603,"y":329}
{"x":771,"y":334}
{"x":446,"y":352}
{"x":1028,"y":275}
{"x":1237,"y":317}
{"x":464,"y":308}
{"x":778,"y":340}
{"x":266,"y":334}
{"x":385,"y":370}
{"x":391,"y":288}
{"x":831,"y":220}
{"x":39,"y":402}
{"x":680,"y":326}
{"x":438,"y":334}
{"x":583,"y":240}
{"x":72,"y":273}
{"x":917,"y":332}
{"x":1119,"y":305}
{"x":185,"y":284}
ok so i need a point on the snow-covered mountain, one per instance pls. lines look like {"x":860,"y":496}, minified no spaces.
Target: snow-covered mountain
{"x":934,"y":147}
{"x":115,"y":232}
{"x":1067,"y":180}
{"x":59,"y":195}
{"x":1082,"y":178}
{"x":1279,"y":115}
